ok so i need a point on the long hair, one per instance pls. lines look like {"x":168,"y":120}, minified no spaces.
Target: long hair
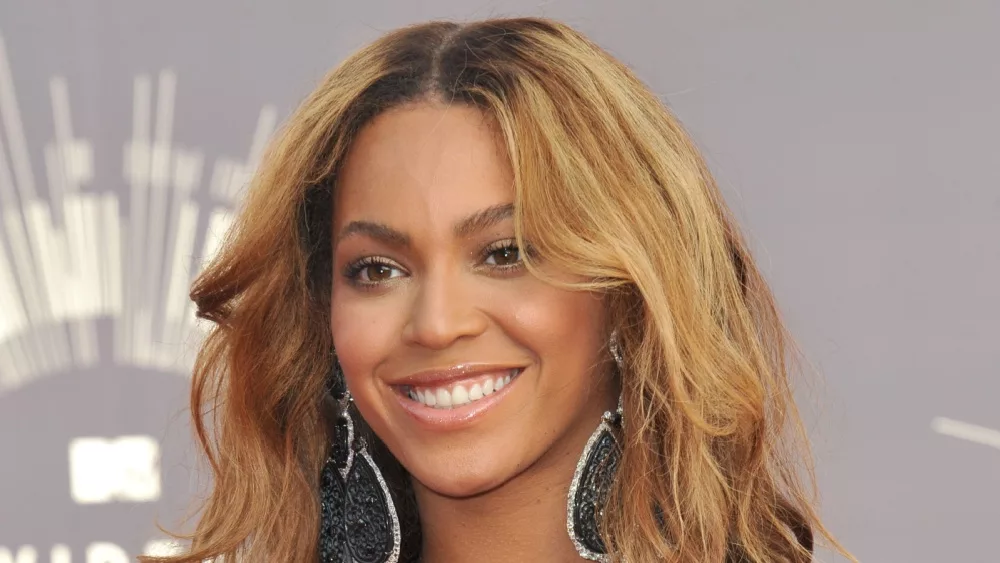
{"x":715,"y":463}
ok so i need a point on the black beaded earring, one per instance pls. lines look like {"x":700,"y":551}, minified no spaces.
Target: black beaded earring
{"x":593,"y":477}
{"x":358,"y":521}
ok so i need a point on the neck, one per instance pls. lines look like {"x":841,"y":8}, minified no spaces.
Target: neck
{"x":522,"y":520}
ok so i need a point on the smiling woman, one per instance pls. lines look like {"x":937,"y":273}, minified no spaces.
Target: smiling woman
{"x":485,"y":303}
{"x":459,"y":317}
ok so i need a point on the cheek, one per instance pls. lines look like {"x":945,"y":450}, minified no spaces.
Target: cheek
{"x":558,"y":325}
{"x":364,"y":332}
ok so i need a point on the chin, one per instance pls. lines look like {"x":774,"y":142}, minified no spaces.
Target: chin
{"x":463,"y":476}
{"x":462,"y":485}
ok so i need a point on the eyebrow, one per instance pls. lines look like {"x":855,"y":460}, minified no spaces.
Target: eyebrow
{"x":484,"y":219}
{"x":377,"y":231}
{"x":477,"y":222}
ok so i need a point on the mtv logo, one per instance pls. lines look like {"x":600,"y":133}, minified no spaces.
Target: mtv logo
{"x":124,"y":469}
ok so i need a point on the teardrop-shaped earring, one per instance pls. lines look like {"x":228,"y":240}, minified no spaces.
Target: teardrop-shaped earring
{"x":358,"y":521}
{"x":595,"y":472}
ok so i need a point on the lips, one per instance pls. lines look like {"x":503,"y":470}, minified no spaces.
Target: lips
{"x":449,"y":399}
{"x":456,"y":394}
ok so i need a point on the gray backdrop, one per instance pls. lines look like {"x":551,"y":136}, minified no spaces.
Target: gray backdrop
{"x":856,"y":140}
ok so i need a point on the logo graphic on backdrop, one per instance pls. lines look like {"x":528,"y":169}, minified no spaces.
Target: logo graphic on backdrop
{"x":75,"y":253}
{"x":125,"y":469}
{"x":81,"y":253}
{"x":966,"y":431}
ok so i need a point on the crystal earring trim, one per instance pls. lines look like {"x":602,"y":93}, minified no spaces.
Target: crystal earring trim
{"x":594,"y":475}
{"x":358,"y":520}
{"x":616,"y":352}
{"x":589,"y":489}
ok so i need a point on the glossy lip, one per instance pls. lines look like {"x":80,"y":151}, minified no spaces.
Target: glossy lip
{"x":456,"y":417}
{"x":439,"y":377}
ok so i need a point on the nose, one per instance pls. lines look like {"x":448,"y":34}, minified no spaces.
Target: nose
{"x":444,"y":310}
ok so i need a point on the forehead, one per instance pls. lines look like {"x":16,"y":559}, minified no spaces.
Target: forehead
{"x":423,"y":163}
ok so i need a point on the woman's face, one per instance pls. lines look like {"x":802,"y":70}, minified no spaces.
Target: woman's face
{"x":470,"y":369}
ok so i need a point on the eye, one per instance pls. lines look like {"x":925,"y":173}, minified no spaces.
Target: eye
{"x":377,"y":272}
{"x":373,"y":270}
{"x":503,"y":254}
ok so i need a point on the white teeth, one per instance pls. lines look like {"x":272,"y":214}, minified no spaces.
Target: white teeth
{"x":443,"y":398}
{"x":459,"y":396}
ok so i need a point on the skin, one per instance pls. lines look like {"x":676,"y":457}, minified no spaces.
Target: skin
{"x":494,"y":489}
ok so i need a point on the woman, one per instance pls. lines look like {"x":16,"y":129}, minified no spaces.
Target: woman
{"x":485,"y":303}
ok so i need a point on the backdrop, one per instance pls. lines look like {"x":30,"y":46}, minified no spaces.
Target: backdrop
{"x":856,"y":140}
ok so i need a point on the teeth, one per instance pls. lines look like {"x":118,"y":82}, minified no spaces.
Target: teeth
{"x":443,"y":398}
{"x":461,"y":394}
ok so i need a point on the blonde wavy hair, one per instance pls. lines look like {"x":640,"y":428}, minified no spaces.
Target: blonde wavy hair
{"x":608,"y":186}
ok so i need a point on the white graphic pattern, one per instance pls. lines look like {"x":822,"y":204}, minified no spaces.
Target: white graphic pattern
{"x":73,"y":258}
{"x":120,"y":469}
{"x":966,"y":431}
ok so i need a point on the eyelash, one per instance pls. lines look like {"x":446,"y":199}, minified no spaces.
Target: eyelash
{"x":353,"y":271}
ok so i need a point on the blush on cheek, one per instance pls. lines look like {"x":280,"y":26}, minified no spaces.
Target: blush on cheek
{"x":354,"y":360}
{"x":356,"y":357}
{"x":558,"y":320}
{"x":364,"y":331}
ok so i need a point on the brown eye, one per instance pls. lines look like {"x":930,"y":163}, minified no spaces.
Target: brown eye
{"x":373,"y":270}
{"x":376,"y":272}
{"x":505,"y":256}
